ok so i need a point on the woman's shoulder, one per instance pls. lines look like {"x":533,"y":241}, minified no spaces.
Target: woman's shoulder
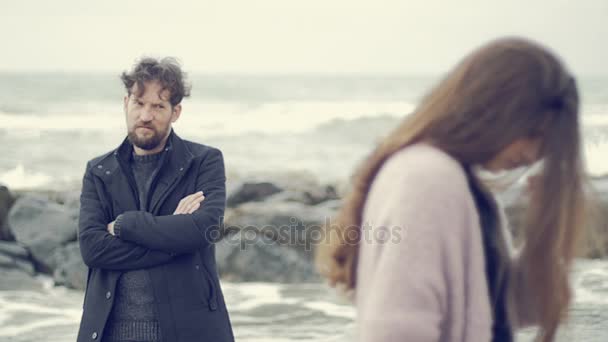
{"x":424,"y":165}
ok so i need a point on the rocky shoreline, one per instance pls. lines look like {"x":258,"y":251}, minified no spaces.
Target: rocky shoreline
{"x":269,"y":232}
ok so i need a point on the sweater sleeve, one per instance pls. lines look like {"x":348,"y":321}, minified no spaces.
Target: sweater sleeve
{"x":405,"y":281}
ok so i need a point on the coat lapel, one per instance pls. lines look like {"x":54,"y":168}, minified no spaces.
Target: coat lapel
{"x":172,"y":168}
{"x":178,"y":161}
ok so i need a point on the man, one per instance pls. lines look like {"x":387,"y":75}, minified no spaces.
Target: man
{"x":144,"y":231}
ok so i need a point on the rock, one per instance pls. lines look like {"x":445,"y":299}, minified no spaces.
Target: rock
{"x":42,"y":226}
{"x":17,"y":279}
{"x":6,"y":261}
{"x":288,"y":196}
{"x":292,"y":224}
{"x":272,"y":240}
{"x":596,"y":235}
{"x":26,"y":266}
{"x":69,"y":198}
{"x":248,"y":192}
{"x":14,"y":256}
{"x":595,"y":243}
{"x":307,"y":187}
{"x":262,"y":259}
{"x":14,"y":249}
{"x":321,"y":194}
{"x":69,"y":269}
{"x":6,"y":202}
{"x":291,"y":180}
{"x":310,"y":196}
{"x":300,"y":187}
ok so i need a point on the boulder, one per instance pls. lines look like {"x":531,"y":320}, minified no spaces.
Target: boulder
{"x":17,"y":279}
{"x":14,"y":250}
{"x":248,"y":192}
{"x":15,"y":256}
{"x":311,"y":196}
{"x":595,"y":242}
{"x":42,"y":226}
{"x":292,"y":224}
{"x":272,"y":240}
{"x":262,"y":259}
{"x":69,"y":269}
{"x":6,"y":202}
{"x":16,"y":270}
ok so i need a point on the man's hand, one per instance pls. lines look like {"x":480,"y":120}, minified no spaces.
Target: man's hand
{"x":110,"y":228}
{"x":189,"y":204}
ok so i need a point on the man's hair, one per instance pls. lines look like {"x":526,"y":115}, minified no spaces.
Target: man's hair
{"x":166,"y":71}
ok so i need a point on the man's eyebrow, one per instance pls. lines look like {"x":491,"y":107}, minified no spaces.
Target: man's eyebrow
{"x":136,"y":98}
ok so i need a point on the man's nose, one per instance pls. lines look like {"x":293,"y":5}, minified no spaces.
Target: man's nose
{"x":146,"y":114}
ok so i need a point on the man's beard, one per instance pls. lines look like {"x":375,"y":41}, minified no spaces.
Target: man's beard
{"x":149,"y":142}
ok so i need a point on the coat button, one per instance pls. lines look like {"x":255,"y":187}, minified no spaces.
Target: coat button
{"x":181,"y":169}
{"x":197,"y":266}
{"x":213,"y":306}
{"x":94,"y":335}
{"x":100,"y":166}
{"x":108,"y":172}
{"x":108,"y":295}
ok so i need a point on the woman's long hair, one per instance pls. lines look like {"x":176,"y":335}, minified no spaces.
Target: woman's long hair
{"x":508,"y":89}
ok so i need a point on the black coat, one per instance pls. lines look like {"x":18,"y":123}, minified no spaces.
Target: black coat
{"x":177,"y":250}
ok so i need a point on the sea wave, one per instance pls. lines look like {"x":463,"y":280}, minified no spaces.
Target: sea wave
{"x":47,"y":151}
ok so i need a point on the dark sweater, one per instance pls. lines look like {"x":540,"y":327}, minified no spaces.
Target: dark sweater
{"x":133,"y":316}
{"x":497,"y":277}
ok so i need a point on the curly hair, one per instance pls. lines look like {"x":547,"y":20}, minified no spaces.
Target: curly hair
{"x":167,"y":71}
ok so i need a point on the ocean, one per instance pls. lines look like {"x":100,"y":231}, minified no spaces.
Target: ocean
{"x":320,"y":126}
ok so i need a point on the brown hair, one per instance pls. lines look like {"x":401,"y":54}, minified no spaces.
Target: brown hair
{"x":167,"y":71}
{"x":508,"y":89}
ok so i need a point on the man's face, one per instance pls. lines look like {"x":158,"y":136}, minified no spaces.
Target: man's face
{"x":149,"y":117}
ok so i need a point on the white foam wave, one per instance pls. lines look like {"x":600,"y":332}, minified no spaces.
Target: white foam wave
{"x":327,"y":139}
{"x":330,"y":309}
{"x":591,"y":282}
{"x":16,"y":306}
{"x":215,"y":118}
{"x":28,"y":123}
{"x":20,"y":178}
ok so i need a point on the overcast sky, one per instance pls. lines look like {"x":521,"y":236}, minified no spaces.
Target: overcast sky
{"x":292,"y":36}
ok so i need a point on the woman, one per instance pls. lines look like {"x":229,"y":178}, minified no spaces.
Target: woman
{"x":443,"y":269}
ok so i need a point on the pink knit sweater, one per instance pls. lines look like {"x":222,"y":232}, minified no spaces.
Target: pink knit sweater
{"x":421,"y":272}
